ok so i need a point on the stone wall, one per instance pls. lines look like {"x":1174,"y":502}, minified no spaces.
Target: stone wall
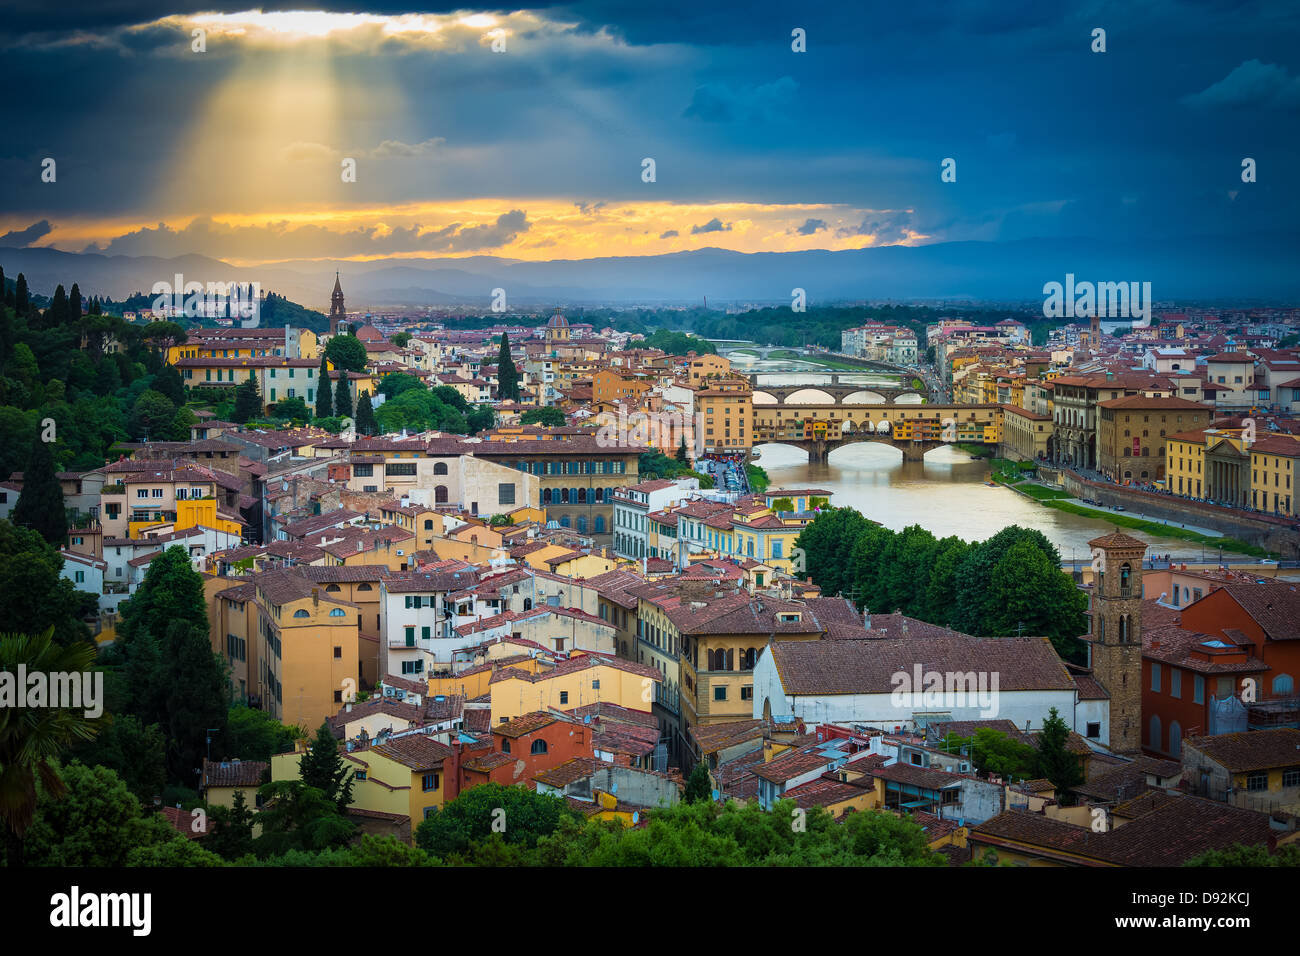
{"x":1277,"y":536}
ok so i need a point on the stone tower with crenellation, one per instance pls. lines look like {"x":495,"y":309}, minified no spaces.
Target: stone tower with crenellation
{"x":1115,"y":640}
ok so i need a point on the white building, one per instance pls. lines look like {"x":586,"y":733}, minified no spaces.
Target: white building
{"x":633,"y":505}
{"x":889,"y":683}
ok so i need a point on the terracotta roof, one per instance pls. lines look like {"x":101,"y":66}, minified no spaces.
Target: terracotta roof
{"x":234,"y":773}
{"x":1118,"y":540}
{"x":868,"y":666}
{"x":1172,"y":831}
{"x":1251,"y":750}
{"x":524,"y":724}
{"x":569,"y":772}
{"x":417,"y":751}
{"x":1273,"y":605}
{"x":183,"y":822}
{"x":711,"y":738}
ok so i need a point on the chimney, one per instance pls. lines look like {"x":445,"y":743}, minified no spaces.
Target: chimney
{"x":315,"y":595}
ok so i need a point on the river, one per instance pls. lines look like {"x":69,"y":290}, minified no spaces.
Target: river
{"x":946,"y":494}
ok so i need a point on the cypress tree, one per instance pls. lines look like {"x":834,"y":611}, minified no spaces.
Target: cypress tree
{"x":22,"y":300}
{"x":74,"y":305}
{"x":4,"y":289}
{"x":248,"y":401}
{"x":507,"y":374}
{"x":324,"y":403}
{"x":322,"y":767}
{"x":343,"y":397}
{"x":57,"y":313}
{"x":40,"y":505}
{"x":366,"y":423}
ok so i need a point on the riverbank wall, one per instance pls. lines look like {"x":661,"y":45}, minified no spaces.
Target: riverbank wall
{"x":1281,"y":537}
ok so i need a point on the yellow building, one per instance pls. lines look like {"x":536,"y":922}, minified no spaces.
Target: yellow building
{"x":582,"y":680}
{"x":701,"y":368}
{"x":727,"y":407}
{"x":404,"y":777}
{"x":307,"y":653}
{"x":222,"y":779}
{"x":1274,"y":460}
{"x":1026,"y":433}
{"x":608,"y":385}
{"x":246,"y":343}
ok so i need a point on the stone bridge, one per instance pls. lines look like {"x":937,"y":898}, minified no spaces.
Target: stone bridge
{"x":836,"y":394}
{"x":913,"y":429}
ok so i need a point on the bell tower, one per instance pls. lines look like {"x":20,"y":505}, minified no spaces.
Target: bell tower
{"x":1115,"y":641}
{"x":338,"y":314}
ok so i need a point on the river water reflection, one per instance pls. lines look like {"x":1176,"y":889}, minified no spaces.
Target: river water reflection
{"x":946,"y":494}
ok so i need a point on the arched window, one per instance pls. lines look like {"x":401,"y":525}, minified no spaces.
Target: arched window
{"x":538,"y":747}
{"x":301,"y":613}
{"x":582,"y":496}
{"x":528,"y":604}
{"x":440,"y":494}
{"x":338,"y":612}
{"x":1125,"y":576}
{"x":565,"y":522}
{"x":564,"y":496}
{"x":505,"y":746}
{"x":600,"y":495}
{"x":710,"y":660}
{"x":546,"y":496}
{"x":440,"y":468}
{"x":1154,"y":739}
{"x":364,"y":586}
{"x":1175,"y":739}
{"x":582,"y":524}
{"x":731,"y":660}
{"x":1283,"y":685}
{"x":332,"y":589}
{"x":600,"y":523}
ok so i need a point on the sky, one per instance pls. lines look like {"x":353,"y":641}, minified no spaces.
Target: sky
{"x":525,"y":133}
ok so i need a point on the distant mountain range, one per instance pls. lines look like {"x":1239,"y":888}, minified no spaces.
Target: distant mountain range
{"x":1256,"y":269}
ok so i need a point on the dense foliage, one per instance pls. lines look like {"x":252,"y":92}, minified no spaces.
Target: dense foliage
{"x":1010,"y":584}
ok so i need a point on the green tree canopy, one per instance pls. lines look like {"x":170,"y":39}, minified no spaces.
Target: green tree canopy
{"x":323,"y":768}
{"x":40,"y":504}
{"x":520,"y":815}
{"x":1055,"y":760}
{"x":346,"y":353}
{"x":248,"y":401}
{"x":547,"y":416}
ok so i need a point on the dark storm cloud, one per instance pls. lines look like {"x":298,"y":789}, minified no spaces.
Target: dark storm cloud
{"x":886,"y":228}
{"x":713,"y":225}
{"x":285,"y":240}
{"x":25,"y":237}
{"x":811,"y":227}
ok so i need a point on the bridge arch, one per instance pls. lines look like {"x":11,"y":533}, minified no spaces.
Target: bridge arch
{"x":764,"y":398}
{"x":908,"y":398}
{"x":863,"y":396}
{"x":810,"y":396}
